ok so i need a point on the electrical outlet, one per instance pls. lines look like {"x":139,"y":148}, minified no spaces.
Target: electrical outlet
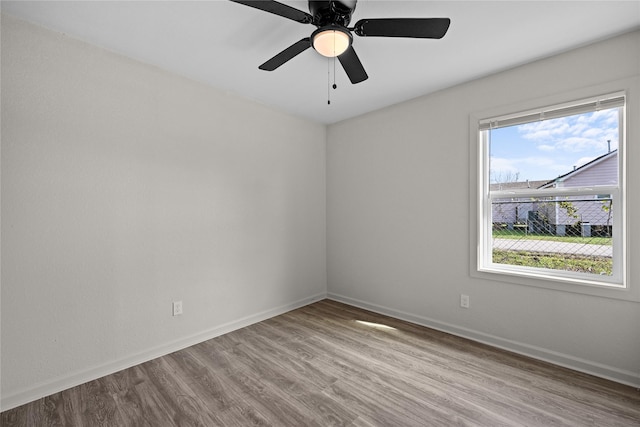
{"x":464,"y":301}
{"x":177,"y":308}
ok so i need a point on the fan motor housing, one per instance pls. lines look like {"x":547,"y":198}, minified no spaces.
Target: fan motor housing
{"x":327,"y":12}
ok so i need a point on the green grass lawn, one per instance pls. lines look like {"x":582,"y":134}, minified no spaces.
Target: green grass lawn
{"x":564,"y":262}
{"x":521,"y":235}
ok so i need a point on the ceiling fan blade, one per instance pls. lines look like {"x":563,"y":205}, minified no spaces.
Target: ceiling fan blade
{"x":287,"y":54}
{"x":279,"y":9}
{"x":352,"y":66}
{"x":422,"y":28}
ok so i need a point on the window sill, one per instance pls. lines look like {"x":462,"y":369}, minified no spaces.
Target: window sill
{"x":557,"y":283}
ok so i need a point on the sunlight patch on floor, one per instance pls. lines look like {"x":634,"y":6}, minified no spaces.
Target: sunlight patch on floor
{"x":376,"y":325}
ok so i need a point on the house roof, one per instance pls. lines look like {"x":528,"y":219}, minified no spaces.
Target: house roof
{"x":579,"y":169}
{"x":517,"y":185}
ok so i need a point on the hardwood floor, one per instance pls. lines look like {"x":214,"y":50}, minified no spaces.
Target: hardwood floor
{"x":321,"y":366}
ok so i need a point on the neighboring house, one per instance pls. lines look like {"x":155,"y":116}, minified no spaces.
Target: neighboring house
{"x":514,"y":211}
{"x":571,"y":215}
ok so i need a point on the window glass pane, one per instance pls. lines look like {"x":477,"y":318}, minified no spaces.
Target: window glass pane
{"x":569,"y":228}
{"x":540,"y":152}
{"x":558,"y":233}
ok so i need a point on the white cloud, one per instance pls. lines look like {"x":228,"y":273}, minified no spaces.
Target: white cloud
{"x":576,"y":144}
{"x":544,"y":130}
{"x":608,"y":117}
{"x":547,"y":149}
{"x":501,"y":165}
{"x":583,"y":161}
{"x":538,"y":161}
{"x":585,"y":132}
{"x":593,"y":133}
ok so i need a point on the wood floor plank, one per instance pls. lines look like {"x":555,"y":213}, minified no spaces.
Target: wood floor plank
{"x":321,"y":365}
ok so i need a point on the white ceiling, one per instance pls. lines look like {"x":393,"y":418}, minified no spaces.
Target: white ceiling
{"x":222,"y":43}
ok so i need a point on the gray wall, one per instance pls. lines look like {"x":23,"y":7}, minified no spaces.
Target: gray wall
{"x":392,"y":173}
{"x":125,"y":188}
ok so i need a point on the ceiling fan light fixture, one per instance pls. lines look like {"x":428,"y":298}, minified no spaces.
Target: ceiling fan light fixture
{"x":331,"y":42}
{"x":333,"y":36}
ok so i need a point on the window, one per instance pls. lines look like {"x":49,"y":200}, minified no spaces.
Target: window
{"x":551,"y":200}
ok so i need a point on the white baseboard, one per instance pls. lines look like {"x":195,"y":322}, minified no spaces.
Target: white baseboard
{"x":80,"y":377}
{"x":565,"y":360}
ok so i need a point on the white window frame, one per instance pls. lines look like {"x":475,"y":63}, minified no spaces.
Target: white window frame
{"x":615,"y":286}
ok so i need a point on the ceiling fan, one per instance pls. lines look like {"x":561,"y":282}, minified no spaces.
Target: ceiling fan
{"x":333,"y":37}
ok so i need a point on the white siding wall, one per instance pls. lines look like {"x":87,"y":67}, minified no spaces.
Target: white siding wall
{"x":604,"y":172}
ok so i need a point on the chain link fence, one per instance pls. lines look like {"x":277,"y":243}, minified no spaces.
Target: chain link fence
{"x":571,"y":234}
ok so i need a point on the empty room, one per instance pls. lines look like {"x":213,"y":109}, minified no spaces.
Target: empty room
{"x":320,"y":213}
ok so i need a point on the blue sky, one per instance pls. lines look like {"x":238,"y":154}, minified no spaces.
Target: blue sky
{"x":544,"y":150}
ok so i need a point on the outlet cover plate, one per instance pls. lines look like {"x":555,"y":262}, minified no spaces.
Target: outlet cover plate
{"x":177,"y":308}
{"x":464,"y":301}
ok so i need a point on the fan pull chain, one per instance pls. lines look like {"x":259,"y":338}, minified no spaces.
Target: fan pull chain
{"x":329,"y":86}
{"x":335,"y":86}
{"x":334,"y":63}
{"x":328,"y":81}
